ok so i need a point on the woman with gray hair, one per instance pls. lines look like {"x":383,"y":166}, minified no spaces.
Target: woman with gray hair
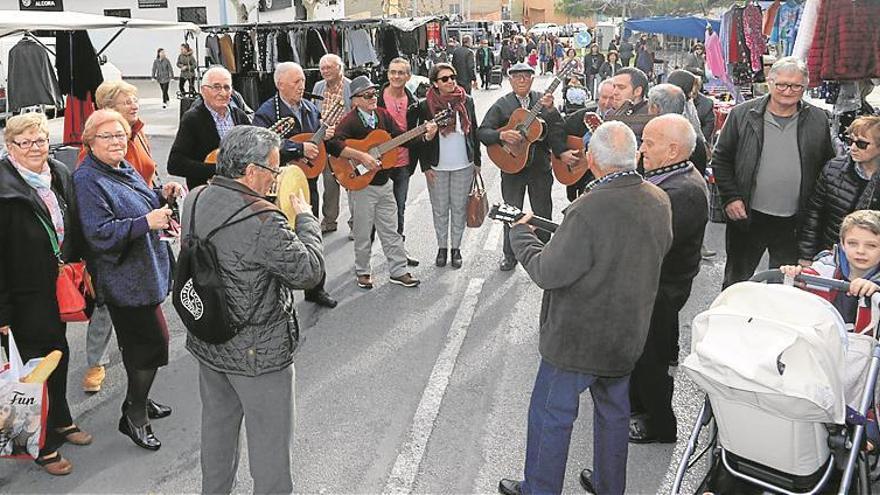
{"x":263,"y":259}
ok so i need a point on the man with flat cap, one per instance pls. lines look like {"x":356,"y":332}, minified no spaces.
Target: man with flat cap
{"x":536,"y":176}
{"x":374,"y":206}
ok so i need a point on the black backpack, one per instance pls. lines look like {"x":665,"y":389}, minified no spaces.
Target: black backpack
{"x":199,"y":294}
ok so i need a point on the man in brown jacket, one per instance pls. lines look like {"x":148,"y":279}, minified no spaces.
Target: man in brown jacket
{"x":594,"y":318}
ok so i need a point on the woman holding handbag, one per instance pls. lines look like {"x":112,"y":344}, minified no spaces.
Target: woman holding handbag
{"x":449,"y":160}
{"x":121,"y":218}
{"x":37,"y":212}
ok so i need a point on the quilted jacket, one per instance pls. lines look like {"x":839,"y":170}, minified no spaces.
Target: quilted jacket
{"x":262,"y":261}
{"x":837,"y":193}
{"x":845,"y":41}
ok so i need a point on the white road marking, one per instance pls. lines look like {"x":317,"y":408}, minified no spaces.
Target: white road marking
{"x":406,"y":466}
{"x":495,"y":236}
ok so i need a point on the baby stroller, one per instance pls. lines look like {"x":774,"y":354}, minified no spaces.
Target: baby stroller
{"x":788,"y":391}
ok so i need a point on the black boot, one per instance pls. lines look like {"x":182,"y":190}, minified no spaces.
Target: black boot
{"x":441,"y":257}
{"x":456,"y":258}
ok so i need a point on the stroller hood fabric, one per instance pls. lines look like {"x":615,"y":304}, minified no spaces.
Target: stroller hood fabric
{"x":776,"y":348}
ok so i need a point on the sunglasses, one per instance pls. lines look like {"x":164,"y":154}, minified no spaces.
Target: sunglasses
{"x":368,"y":96}
{"x":860,"y":143}
{"x":445,"y":78}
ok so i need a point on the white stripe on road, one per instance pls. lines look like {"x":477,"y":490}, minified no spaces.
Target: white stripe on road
{"x":406,"y":466}
{"x":495,"y":236}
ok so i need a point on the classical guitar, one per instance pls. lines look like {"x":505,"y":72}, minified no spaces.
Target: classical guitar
{"x":379,"y":144}
{"x":569,"y":174}
{"x":512,"y":158}
{"x":283,"y":128}
{"x":313,"y":168}
{"x":506,"y":213}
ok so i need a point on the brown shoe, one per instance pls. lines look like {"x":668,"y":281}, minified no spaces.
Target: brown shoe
{"x":74,"y":435}
{"x":93,"y":379}
{"x":365,"y":281}
{"x":406,"y":280}
{"x":54,"y":464}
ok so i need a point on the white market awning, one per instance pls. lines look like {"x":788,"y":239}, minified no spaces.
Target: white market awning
{"x":17,"y":21}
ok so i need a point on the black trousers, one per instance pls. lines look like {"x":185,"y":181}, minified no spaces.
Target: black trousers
{"x":314,"y":197}
{"x":485,"y":75}
{"x":746,"y":241}
{"x":651,"y":385}
{"x":181,"y":83}
{"x":400,"y":177}
{"x":164,"y":88}
{"x":538,"y":182}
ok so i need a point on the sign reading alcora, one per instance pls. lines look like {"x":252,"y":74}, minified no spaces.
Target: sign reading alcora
{"x":46,"y":5}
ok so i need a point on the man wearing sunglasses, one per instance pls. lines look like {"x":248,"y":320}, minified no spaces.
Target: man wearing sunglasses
{"x":847,"y":183}
{"x":202,"y":127}
{"x":536,"y":176}
{"x":374,"y":206}
{"x":766,"y":162}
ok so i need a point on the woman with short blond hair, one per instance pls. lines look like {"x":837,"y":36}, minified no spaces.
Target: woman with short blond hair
{"x":122,"y":217}
{"x":37,"y":212}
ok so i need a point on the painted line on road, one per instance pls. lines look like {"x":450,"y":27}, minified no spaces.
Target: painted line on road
{"x":494,"y":238}
{"x":403,"y":474}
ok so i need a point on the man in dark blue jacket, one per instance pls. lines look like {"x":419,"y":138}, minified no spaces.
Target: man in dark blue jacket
{"x":288,"y":102}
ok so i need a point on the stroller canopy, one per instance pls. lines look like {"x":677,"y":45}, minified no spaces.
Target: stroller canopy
{"x":772,"y":347}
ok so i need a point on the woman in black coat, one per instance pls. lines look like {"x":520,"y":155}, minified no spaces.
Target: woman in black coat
{"x":610,"y":67}
{"x":592,"y":63}
{"x":36,"y":194}
{"x":846,"y":184}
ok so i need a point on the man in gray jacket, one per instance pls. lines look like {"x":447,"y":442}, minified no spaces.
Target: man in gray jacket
{"x":594,"y":321}
{"x":262,"y":261}
{"x":765,"y":188}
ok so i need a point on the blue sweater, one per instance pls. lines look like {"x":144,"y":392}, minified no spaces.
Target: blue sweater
{"x":129,"y":263}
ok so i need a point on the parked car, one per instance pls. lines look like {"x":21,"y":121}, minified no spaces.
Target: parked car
{"x":542,"y":28}
{"x":577,"y":27}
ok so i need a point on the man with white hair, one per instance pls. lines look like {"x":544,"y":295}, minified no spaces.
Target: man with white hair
{"x":334,"y":88}
{"x":290,"y":80}
{"x":666,"y":99}
{"x":667,"y":142}
{"x":593,"y":321}
{"x":766,"y":162}
{"x":203,"y":126}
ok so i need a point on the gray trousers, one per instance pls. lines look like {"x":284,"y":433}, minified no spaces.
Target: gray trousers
{"x":449,"y":195}
{"x":376,"y":206}
{"x":267,"y":405}
{"x":98,"y":337}
{"x":330,"y":207}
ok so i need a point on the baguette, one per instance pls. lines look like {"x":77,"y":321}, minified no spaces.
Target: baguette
{"x":42,"y":371}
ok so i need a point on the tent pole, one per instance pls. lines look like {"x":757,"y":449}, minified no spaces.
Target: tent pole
{"x":111,"y":40}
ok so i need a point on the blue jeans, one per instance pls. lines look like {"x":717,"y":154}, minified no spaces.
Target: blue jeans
{"x":552,"y":412}
{"x":400,"y":177}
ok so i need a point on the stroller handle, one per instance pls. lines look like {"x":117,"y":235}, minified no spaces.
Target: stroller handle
{"x":777,"y":277}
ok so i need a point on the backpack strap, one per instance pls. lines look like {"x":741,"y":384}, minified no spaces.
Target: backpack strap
{"x":228,"y":222}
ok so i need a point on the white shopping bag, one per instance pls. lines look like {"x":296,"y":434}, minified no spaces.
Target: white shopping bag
{"x":23,"y":408}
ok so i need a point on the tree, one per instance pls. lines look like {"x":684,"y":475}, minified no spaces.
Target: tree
{"x":633,"y":8}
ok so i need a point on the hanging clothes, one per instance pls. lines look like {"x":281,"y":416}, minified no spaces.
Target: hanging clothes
{"x":754,"y":36}
{"x":770,"y":18}
{"x":212,"y":47}
{"x":227,"y":53}
{"x":244,"y":52}
{"x":293,"y":39}
{"x":360,"y":48}
{"x":786,"y":27}
{"x":714,"y":56}
{"x":262,"y":50}
{"x":807,"y":29}
{"x":78,"y":70}
{"x":75,"y":116}
{"x":284,"y":48}
{"x":32,"y":79}
{"x":846,"y":45}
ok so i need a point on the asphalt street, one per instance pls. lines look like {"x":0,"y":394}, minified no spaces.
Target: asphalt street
{"x":420,"y":390}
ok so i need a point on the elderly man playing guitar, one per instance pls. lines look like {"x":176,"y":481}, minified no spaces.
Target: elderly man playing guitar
{"x":509,"y":143}
{"x":288,"y":103}
{"x":202,"y":127}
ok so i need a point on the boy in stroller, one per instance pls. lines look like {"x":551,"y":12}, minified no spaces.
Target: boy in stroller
{"x":855,"y":259}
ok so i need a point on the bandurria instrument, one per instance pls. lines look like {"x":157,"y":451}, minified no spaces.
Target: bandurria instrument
{"x":380,"y":145}
{"x":512,"y":158}
{"x":291,"y":181}
{"x":315,"y":166}
{"x":569,"y":174}
{"x":506,"y":213}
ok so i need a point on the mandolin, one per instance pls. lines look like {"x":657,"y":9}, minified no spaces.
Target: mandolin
{"x":507,"y":213}
{"x":283,"y":128}
{"x":569,"y":174}
{"x":379,"y":144}
{"x":512,"y":158}
{"x":313,"y":168}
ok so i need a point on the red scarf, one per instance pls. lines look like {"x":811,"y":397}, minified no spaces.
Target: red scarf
{"x":455,"y":101}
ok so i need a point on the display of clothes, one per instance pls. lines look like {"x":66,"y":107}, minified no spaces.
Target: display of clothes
{"x":75,"y":116}
{"x":32,"y":79}
{"x":741,"y":43}
{"x":807,"y":29}
{"x":846,"y":44}
{"x":785,"y":27}
{"x":79,"y":72}
{"x":359,"y":48}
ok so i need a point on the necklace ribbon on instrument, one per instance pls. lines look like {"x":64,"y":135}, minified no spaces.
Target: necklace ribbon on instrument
{"x":608,"y":178}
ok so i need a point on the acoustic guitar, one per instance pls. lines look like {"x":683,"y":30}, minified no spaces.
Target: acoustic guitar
{"x":283,"y":128}
{"x":512,"y":158}
{"x":569,"y":174}
{"x":379,"y":144}
{"x":313,"y":168}
{"x":507,"y":213}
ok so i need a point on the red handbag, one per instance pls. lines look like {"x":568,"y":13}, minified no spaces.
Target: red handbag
{"x":73,"y":287}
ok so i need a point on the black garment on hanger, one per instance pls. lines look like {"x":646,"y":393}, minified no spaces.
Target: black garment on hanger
{"x":284,"y":50}
{"x":31,"y":77}
{"x":78,"y":70}
{"x":244,"y":53}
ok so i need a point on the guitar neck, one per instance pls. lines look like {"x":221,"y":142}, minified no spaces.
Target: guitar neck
{"x":536,"y":106}
{"x":318,"y":136}
{"x":401,"y":139}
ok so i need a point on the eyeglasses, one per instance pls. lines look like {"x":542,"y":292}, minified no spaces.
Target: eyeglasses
{"x":860,"y":143}
{"x":367,"y":96}
{"x":28,"y":144}
{"x":445,"y":78}
{"x":218,"y":87}
{"x":522,"y":76}
{"x":274,"y":172}
{"x":797,"y":88}
{"x":119,"y":136}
